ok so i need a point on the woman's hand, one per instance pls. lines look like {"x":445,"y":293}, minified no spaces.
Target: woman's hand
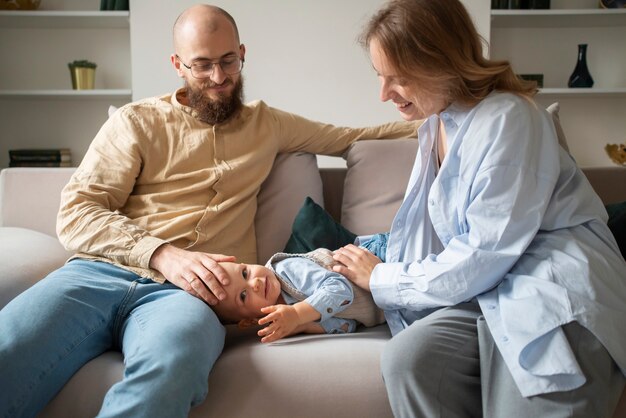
{"x":358,"y":264}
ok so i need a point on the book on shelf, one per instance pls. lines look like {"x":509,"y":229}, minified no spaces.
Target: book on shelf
{"x":40,"y":164}
{"x":113,"y":5}
{"x":40,"y":155}
{"x":60,"y":157}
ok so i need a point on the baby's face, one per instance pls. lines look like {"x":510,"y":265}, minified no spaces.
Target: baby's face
{"x":251,"y":288}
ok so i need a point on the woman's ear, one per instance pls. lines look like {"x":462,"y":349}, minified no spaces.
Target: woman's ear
{"x":247,"y":323}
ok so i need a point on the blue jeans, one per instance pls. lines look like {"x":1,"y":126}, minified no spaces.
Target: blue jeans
{"x":170,"y":341}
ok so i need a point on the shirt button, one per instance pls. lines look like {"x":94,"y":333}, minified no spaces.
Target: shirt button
{"x":329,"y":310}
{"x":491,"y":307}
{"x":431,"y":202}
{"x":505,"y":339}
{"x":445,"y":116}
{"x":198,"y":229}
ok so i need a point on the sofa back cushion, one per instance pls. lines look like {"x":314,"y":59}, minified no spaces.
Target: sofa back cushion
{"x":30,"y":197}
{"x":377,"y":175}
{"x":294,"y":176}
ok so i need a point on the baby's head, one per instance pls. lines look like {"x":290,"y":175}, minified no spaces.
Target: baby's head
{"x":251,"y":288}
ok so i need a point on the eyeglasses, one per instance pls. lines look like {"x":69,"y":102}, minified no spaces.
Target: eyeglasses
{"x":204,"y":68}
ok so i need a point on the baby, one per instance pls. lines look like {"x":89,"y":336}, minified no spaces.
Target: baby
{"x":295,"y":293}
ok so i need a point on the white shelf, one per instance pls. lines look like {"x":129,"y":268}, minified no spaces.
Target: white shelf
{"x":121,"y":94}
{"x":584,"y":92}
{"x":55,"y":19}
{"x":558,"y":18}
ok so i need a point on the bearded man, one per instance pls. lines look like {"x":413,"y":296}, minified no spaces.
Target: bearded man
{"x":167,"y":186}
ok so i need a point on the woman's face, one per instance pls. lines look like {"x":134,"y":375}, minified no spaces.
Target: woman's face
{"x":411,"y":102}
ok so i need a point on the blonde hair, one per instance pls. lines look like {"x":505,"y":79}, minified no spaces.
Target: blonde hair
{"x":435,"y":44}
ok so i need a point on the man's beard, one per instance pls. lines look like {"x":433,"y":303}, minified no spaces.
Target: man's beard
{"x":214,"y":111}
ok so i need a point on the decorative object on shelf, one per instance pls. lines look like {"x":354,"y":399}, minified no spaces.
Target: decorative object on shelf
{"x":520,"y":4}
{"x":612,"y":4}
{"x":59,"y":157}
{"x":505,"y":4}
{"x":19,"y":4}
{"x":533,"y":77}
{"x":617,"y":153}
{"x":113,"y":5}
{"x":581,"y":77}
{"x":538,"y":4}
{"x":83,"y":74}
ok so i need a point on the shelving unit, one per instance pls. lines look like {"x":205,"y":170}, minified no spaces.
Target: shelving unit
{"x":582,"y":92}
{"x":38,"y":108}
{"x":58,"y":19}
{"x":562,"y":18}
{"x":545,"y":41}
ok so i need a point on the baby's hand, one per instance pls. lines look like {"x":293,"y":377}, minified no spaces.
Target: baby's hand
{"x":282,"y":319}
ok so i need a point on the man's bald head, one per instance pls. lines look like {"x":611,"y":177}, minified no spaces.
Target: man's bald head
{"x":202,"y":18}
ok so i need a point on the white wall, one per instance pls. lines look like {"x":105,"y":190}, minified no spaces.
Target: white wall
{"x":302,"y":56}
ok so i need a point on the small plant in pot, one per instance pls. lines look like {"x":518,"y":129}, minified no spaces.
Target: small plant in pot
{"x":83,"y":74}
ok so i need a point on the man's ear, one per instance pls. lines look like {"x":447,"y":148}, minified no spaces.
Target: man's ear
{"x":247,"y":323}
{"x":176,"y":64}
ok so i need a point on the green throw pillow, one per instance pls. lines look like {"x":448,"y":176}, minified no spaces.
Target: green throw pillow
{"x":314,"y":228}
{"x":617,"y":224}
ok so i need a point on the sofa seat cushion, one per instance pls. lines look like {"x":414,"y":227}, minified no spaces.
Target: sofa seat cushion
{"x":82,"y":396}
{"x":26,"y":256}
{"x":302,"y":376}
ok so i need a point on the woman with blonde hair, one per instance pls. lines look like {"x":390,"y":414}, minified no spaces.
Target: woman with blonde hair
{"x":503,"y":286}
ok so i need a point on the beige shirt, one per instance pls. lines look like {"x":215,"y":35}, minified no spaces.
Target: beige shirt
{"x":155,"y":174}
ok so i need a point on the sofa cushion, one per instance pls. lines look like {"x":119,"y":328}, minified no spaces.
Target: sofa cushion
{"x":303,"y":376}
{"x":82,"y":396}
{"x":553,"y":109}
{"x":314,"y":228}
{"x":378,"y":173}
{"x":26,"y":256}
{"x":617,"y":224}
{"x":38,"y":208}
{"x":294,"y":176}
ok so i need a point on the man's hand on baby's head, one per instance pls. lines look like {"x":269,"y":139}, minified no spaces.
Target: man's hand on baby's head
{"x":199,"y":274}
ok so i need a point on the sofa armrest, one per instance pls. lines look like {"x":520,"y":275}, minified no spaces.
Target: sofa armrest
{"x":26,"y":256}
{"x":30,"y":197}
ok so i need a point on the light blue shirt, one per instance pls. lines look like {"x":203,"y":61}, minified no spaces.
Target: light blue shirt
{"x":511,"y":220}
{"x":327,"y":292}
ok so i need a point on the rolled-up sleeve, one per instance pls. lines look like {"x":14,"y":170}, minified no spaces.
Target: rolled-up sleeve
{"x":88,"y":220}
{"x":330,"y":293}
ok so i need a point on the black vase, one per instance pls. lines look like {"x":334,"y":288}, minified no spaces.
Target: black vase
{"x":581,"y":77}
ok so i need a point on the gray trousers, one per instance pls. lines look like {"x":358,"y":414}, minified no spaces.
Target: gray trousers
{"x":447,"y":365}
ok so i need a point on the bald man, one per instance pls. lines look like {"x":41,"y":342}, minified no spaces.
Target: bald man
{"x":166,"y":190}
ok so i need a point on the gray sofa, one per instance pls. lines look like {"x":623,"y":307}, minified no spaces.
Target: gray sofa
{"x":302,"y":376}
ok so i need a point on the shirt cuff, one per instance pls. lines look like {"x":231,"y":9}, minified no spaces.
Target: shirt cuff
{"x":387,"y":282}
{"x":335,"y":325}
{"x":327,"y":305}
{"x":362,"y":238}
{"x":142,"y":251}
